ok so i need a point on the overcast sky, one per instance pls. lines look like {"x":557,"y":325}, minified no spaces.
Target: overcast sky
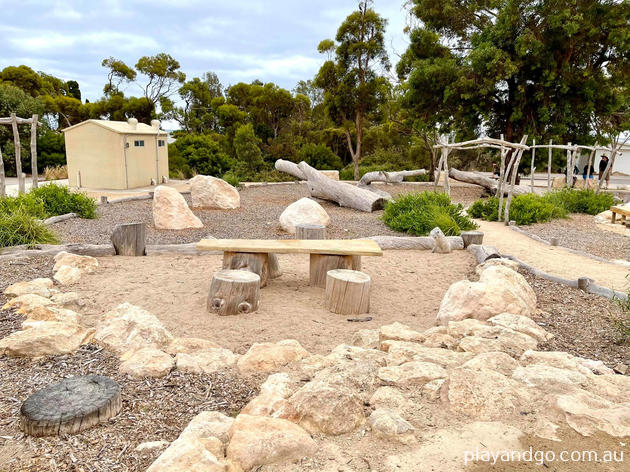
{"x":239,"y":40}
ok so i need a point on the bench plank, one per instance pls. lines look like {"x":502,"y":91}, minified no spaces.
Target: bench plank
{"x":621,"y":211}
{"x":348,"y":247}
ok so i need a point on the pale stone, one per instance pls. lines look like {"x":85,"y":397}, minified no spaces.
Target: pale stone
{"x":27,"y":302}
{"x":506,"y":340}
{"x":272,"y":399}
{"x":390,"y":425}
{"x":432,"y":390}
{"x":388,"y":397}
{"x":400,"y":352}
{"x":442,"y":245}
{"x":485,"y":394}
{"x":147,"y":362}
{"x":206,"y":362}
{"x":187,"y":455}
{"x":366,"y":338}
{"x":209,"y":424}
{"x":39,"y":287}
{"x":549,"y":379}
{"x":47,"y":338}
{"x":190,"y":345}
{"x":278,"y":384}
{"x":411,"y":373}
{"x":329,"y":409}
{"x":502,"y":261}
{"x":522,"y":324}
{"x":257,"y":440}
{"x":497,"y":361}
{"x":129,"y":327}
{"x":66,"y":299}
{"x":440,"y":340}
{"x":314,"y":363}
{"x":67,"y":275}
{"x":170,"y":210}
{"x":151,"y":446}
{"x":344,"y":353}
{"x":564,"y":360}
{"x":267,"y":357}
{"x":53,"y":313}
{"x":399,"y":332}
{"x":210,"y":192}
{"x":470,"y":327}
{"x":499,"y":290}
{"x":357,"y":376}
{"x":303,"y":211}
{"x":84,"y":263}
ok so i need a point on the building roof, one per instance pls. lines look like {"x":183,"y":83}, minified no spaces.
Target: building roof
{"x":121,"y":127}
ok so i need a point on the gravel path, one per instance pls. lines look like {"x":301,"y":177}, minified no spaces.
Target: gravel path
{"x":581,"y":233}
{"x":256,"y":219}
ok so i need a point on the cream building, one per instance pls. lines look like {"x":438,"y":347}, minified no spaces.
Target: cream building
{"x":105,"y":154}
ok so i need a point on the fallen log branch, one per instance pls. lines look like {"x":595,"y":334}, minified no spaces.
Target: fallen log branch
{"x":290,"y":168}
{"x":389,"y":177}
{"x":414,"y":242}
{"x":94,"y":250}
{"x":58,"y":218}
{"x":486,"y":182}
{"x":483,"y":253}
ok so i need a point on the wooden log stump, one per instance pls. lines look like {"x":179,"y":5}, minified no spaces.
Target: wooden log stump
{"x":320,"y":264}
{"x":256,"y":262}
{"x":472,"y":237}
{"x":309,"y":231}
{"x":234,"y":292}
{"x":70,"y":406}
{"x":348,"y":292}
{"x":274,"y":266}
{"x":130,"y":239}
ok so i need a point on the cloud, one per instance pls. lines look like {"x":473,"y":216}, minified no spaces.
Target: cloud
{"x":106,"y":40}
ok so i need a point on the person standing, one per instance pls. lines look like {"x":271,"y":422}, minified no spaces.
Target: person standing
{"x":603,"y":163}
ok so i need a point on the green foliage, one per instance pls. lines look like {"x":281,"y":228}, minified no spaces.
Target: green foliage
{"x":247,"y":151}
{"x":419,"y":213}
{"x":319,"y":156}
{"x":20,"y":227}
{"x":581,"y":201}
{"x":485,"y":208}
{"x":51,"y":149}
{"x":26,"y":203}
{"x":198,"y":153}
{"x":59,"y":200}
{"x":231,"y":178}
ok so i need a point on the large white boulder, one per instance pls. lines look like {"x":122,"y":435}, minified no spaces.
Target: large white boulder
{"x":209,"y":192}
{"x":84,"y":263}
{"x":170,"y":210}
{"x":45,"y":338}
{"x":207,"y":361}
{"x":499,"y":290}
{"x":304,"y":211}
{"x":67,"y":275}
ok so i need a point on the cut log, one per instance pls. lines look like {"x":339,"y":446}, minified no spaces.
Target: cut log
{"x":71,"y":405}
{"x":472,"y":237}
{"x":389,"y":177}
{"x":58,"y":218}
{"x":234,"y":292}
{"x":256,"y":262}
{"x":483,"y":253}
{"x":130,"y":239}
{"x":310,"y":231}
{"x":486,"y":182}
{"x":2,"y":178}
{"x":94,"y":250}
{"x":320,"y":264}
{"x":274,"y":266}
{"x":348,"y":292}
{"x":290,"y":168}
{"x":346,"y":195}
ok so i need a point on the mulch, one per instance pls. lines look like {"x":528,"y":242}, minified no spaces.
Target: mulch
{"x":580,"y":232}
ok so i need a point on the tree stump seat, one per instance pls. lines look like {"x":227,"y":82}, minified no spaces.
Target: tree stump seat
{"x":234,"y":292}
{"x":348,"y":291}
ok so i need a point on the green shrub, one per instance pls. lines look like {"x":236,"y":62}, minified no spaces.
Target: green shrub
{"x":581,"y":201}
{"x":231,"y":179}
{"x":524,"y":209}
{"x":319,"y":156}
{"x":485,"y":208}
{"x":622,"y":323}
{"x":419,"y":213}
{"x":19,"y":228}
{"x":27,"y":202}
{"x":59,"y":200}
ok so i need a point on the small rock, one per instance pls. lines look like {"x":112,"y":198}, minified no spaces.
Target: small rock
{"x":206,"y":362}
{"x":27,"y":302}
{"x":303,"y":211}
{"x":67,"y":275}
{"x":147,"y":362}
{"x":47,"y":338}
{"x":267,"y":357}
{"x":399,"y":332}
{"x":390,"y":425}
{"x":621,"y":369}
{"x":522,"y":324}
{"x":39,"y":287}
{"x":66,"y":299}
{"x":190,"y":346}
{"x":388,"y":397}
{"x":52,"y":313}
{"x":151,"y":446}
{"x":432,"y":390}
{"x":84,"y":263}
{"x":498,"y":361}
{"x":366,"y":338}
{"x":170,"y":210}
{"x":411,"y":373}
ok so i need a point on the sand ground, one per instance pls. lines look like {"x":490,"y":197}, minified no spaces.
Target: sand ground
{"x":407,"y":286}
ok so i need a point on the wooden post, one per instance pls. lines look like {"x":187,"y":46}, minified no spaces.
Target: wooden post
{"x":2,"y":182}
{"x":587,"y":184}
{"x":234,"y":292}
{"x":256,"y":262}
{"x":310,"y":231}
{"x":103,"y":199}
{"x":500,"y":183}
{"x":569,"y":169}
{"x":18,"y":153}
{"x":515,"y":162}
{"x":549,"y":166}
{"x":436,"y":177}
{"x":584,"y":282}
{"x":533,"y":161}
{"x":320,"y":264}
{"x":348,"y":292}
{"x":130,"y":239}
{"x":34,"y":151}
{"x":471,"y":237}
{"x":447,"y":184}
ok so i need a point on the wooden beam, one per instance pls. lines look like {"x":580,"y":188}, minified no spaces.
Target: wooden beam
{"x":34,"y":151}
{"x":549,"y":167}
{"x":20,"y":121}
{"x":18,"y":153}
{"x":533,"y":168}
{"x":2,"y":183}
{"x":350,"y":247}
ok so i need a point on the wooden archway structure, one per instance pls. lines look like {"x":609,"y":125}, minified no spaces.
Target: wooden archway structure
{"x":14,"y":121}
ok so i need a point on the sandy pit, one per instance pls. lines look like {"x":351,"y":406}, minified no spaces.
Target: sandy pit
{"x":407,"y":286}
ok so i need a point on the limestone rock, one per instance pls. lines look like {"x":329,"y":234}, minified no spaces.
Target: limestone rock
{"x":190,"y":346}
{"x":502,"y":261}
{"x":272,"y":399}
{"x":186,"y":455}
{"x":67,"y":275}
{"x":259,"y":440}
{"x":564,"y":360}
{"x":345,"y":353}
{"x":470,"y":327}
{"x":84,"y":263}
{"x":303,"y":211}
{"x":411,"y":373}
{"x":505,"y":340}
{"x":400,"y":352}
{"x":390,"y":425}
{"x":170,"y":210}
{"x":388,"y":397}
{"x":366,"y":338}
{"x":39,"y":287}
{"x":26,"y":302}
{"x":522,"y":324}
{"x":440,"y":340}
{"x":549,"y":379}
{"x":499,"y":290}
{"x":432,"y":390}
{"x":47,"y":338}
{"x":52,"y":313}
{"x":267,"y":357}
{"x":151,"y":446}
{"x":147,"y":362}
{"x":326,"y":408}
{"x":497,"y":361}
{"x":66,"y":299}
{"x":210,"y":192}
{"x":209,"y":424}
{"x":442,"y":245}
{"x":399,"y":332}
{"x":207,"y":361}
{"x":128,"y":328}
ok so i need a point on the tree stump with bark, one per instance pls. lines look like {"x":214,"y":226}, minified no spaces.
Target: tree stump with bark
{"x":310,"y":231}
{"x":256,"y":262}
{"x":348,"y":292}
{"x":320,"y":264}
{"x":472,"y":237}
{"x":70,"y":406}
{"x":130,"y":239}
{"x":234,"y":292}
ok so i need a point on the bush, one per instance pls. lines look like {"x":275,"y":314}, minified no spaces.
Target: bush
{"x":530,"y":208}
{"x":19,"y":228}
{"x":27,"y":203}
{"x":231,"y":179}
{"x":622,"y":323}
{"x":581,"y":201}
{"x":347,"y":173}
{"x":419,"y":213}
{"x":56,"y":173}
{"x":197,"y":153}
{"x":59,"y":200}
{"x":319,"y":156}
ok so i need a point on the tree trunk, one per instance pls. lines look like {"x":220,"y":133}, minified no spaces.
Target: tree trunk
{"x":388,"y":177}
{"x":130,"y":239}
{"x":34,"y":151}
{"x":18,"y":153}
{"x":485,"y":182}
{"x":348,"y":292}
{"x":256,"y":262}
{"x":234,"y":292}
{"x":290,"y":168}
{"x":309,"y":231}
{"x":320,"y":264}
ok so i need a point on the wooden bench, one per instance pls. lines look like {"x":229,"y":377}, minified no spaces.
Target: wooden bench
{"x":257,"y":255}
{"x":623,"y":212}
